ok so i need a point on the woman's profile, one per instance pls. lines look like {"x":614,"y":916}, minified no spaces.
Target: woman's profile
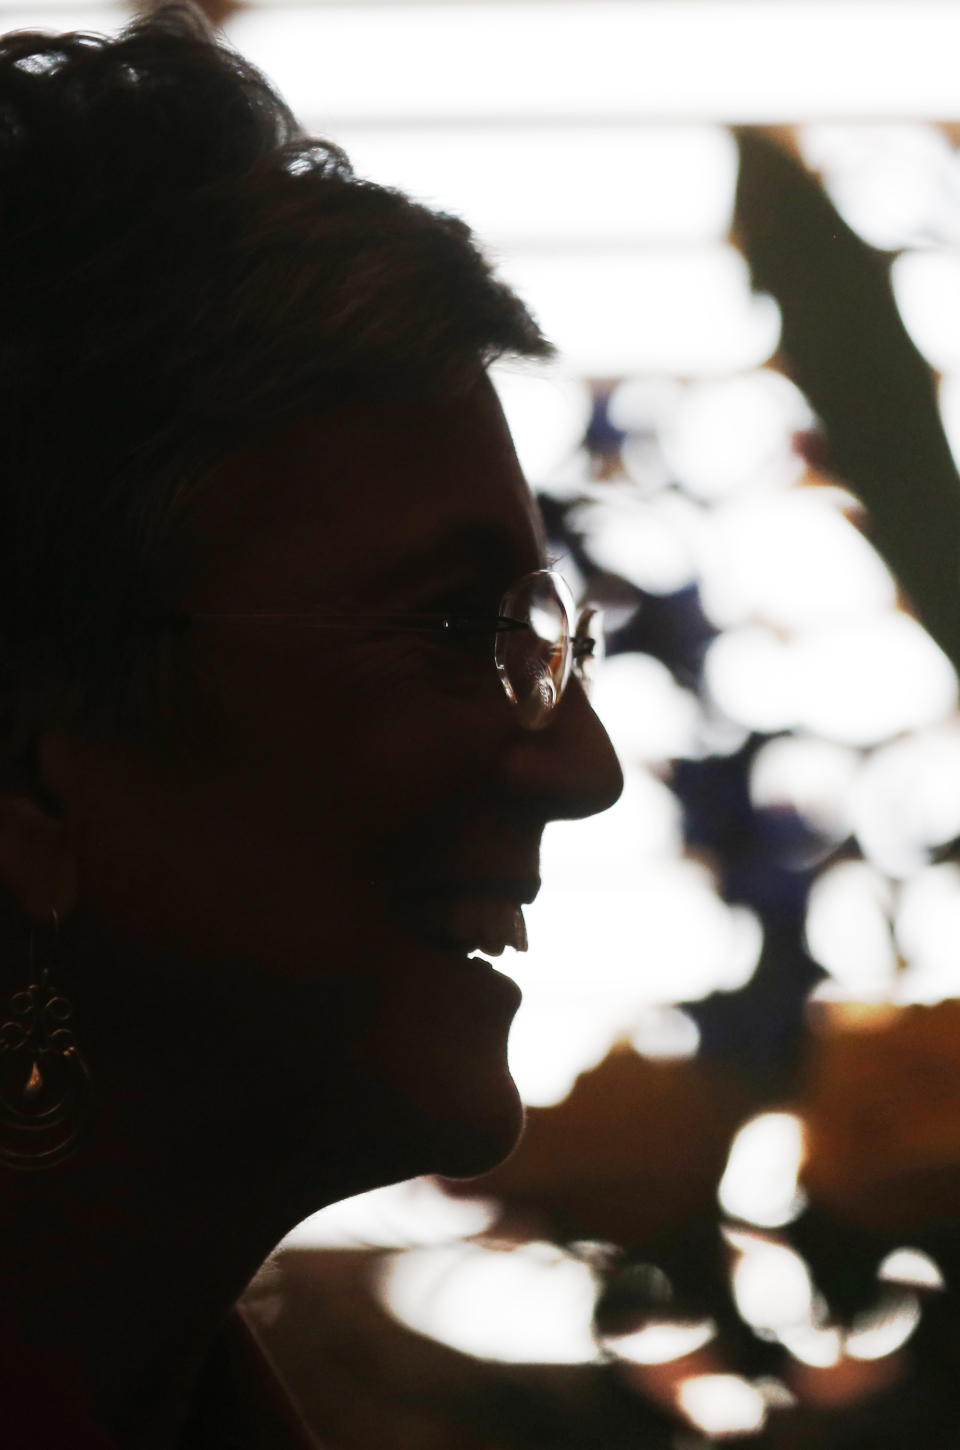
{"x":279,"y":736}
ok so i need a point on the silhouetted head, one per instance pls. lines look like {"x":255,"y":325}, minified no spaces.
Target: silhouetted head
{"x":235,"y":381}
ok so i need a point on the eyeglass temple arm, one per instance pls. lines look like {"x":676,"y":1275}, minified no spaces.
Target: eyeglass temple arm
{"x":426,"y":623}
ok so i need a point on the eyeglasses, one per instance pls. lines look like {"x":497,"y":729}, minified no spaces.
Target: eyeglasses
{"x":539,"y":638}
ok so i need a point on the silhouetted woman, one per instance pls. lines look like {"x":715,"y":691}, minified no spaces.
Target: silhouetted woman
{"x":279,"y":740}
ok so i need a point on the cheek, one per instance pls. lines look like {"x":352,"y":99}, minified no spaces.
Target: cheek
{"x":280,"y":839}
{"x":355,"y":762}
{"x":340,"y":725}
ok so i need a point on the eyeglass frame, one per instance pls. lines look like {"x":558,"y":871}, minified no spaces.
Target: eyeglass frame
{"x":578,"y":646}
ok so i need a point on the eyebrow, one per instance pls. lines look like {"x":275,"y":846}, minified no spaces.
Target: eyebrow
{"x":485,"y":545}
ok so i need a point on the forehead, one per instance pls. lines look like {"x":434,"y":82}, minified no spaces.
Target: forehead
{"x":359,"y":502}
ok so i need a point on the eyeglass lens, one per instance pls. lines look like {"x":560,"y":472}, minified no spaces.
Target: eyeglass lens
{"x":588,"y":646}
{"x":535,"y":663}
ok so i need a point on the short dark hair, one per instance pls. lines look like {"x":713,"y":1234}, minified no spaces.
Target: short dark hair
{"x":181,"y":268}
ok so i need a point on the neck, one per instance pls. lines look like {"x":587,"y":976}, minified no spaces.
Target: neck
{"x":120,"y":1275}
{"x":221,"y":1114}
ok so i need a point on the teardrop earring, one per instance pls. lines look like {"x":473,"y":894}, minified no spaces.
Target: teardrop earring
{"x":44,"y":1081}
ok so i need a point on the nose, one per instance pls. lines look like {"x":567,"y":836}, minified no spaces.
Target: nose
{"x":569,"y":768}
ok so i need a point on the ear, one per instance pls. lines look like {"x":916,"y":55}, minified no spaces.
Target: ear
{"x":37,"y":866}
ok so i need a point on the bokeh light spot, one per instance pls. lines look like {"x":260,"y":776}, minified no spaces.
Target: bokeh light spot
{"x":404,"y":1215}
{"x":661,"y":1341}
{"x":734,"y":434}
{"x":884,"y":1330}
{"x":912,"y":1267}
{"x":722,"y":1404}
{"x":791,"y":560}
{"x":759,"y":1184}
{"x":848,"y":929}
{"x":771,"y":1285}
{"x":531,"y":1304}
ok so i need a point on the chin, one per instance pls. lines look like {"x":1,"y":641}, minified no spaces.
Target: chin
{"x":458,"y":1127}
{"x":430,"y":1080}
{"x":467,"y":1103}
{"x":485,"y":1138}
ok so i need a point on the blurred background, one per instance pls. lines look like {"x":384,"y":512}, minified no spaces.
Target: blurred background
{"x":736,"y":1213}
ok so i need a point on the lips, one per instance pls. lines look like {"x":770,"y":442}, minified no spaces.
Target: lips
{"x":466,"y":915}
{"x":466,"y":924}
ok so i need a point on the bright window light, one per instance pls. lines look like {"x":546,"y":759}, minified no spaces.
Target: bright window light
{"x":652,"y":543}
{"x":665,"y":1032}
{"x":704,"y":59}
{"x":561,"y":184}
{"x":645,"y":404}
{"x":865,"y":681}
{"x":791,"y":560}
{"x":610,"y":850}
{"x":647,"y":714}
{"x":857,"y":682}
{"x":927,"y":923}
{"x":749,"y":675}
{"x":547,"y":413}
{"x":105,"y":18}
{"x":622,"y":925}
{"x":531,"y":1304}
{"x":401,"y":1216}
{"x":927,"y":288}
{"x":615,"y":312}
{"x":813,"y":778}
{"x":898,"y":186}
{"x":906,"y":799}
{"x":561,"y":1032}
{"x":668,"y":939}
{"x":736,"y":434}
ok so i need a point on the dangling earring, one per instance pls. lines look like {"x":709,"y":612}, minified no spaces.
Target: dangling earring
{"x":44,"y":1082}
